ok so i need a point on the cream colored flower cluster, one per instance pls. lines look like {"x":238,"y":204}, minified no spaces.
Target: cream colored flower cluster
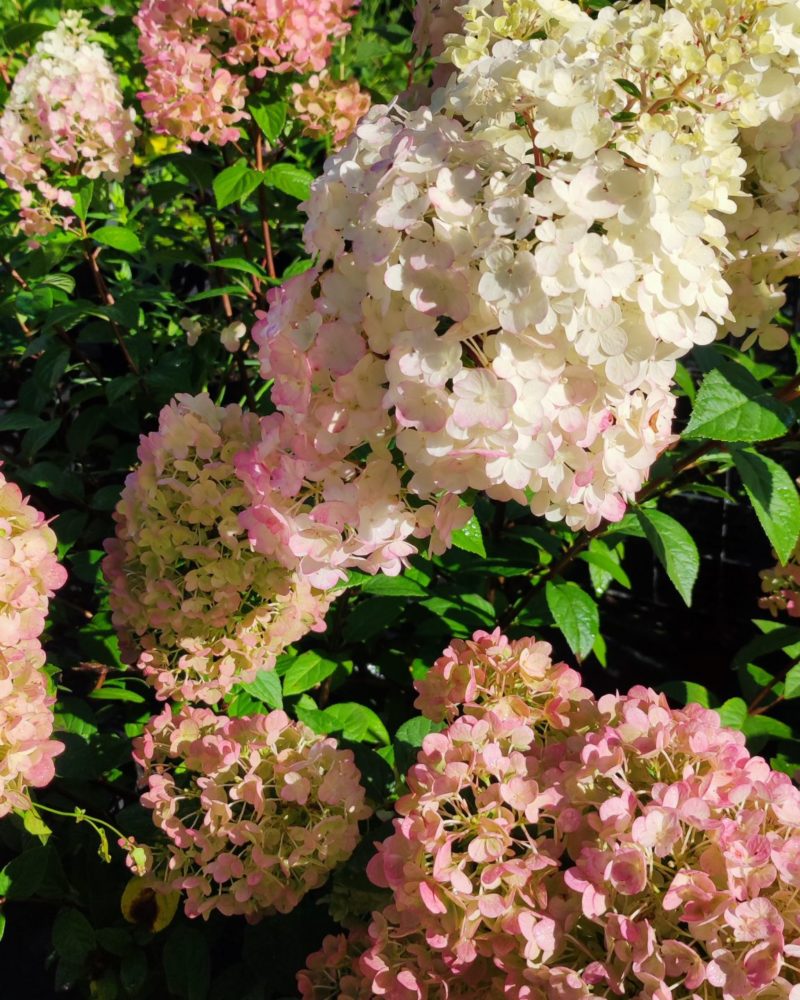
{"x":64,"y":112}
{"x":515,"y":269}
{"x":198,"y":609}
{"x":29,"y":576}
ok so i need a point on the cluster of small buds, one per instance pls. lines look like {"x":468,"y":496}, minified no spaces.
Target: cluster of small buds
{"x":197,"y":608}
{"x":329,"y":107}
{"x":510,"y":274}
{"x":554,"y":845}
{"x":29,"y":576}
{"x":64,"y":114}
{"x":781,"y":586}
{"x":198,"y":54}
{"x":256,"y":810}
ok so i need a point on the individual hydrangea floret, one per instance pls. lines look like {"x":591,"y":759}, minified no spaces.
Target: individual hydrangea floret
{"x":329,"y":107}
{"x":29,"y":576}
{"x":198,"y":608}
{"x":64,"y":115}
{"x":256,"y":811}
{"x":615,"y":847}
{"x":199,"y":53}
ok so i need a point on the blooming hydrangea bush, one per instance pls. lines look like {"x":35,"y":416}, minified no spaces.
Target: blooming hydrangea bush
{"x":29,"y":576}
{"x":256,"y":810}
{"x":198,"y":55}
{"x":64,"y":114}
{"x":515,"y":269}
{"x":199,"y":610}
{"x":556,"y":845}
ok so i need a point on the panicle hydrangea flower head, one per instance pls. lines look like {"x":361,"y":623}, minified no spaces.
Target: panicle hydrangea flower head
{"x":29,"y":576}
{"x":329,"y":107}
{"x":256,"y":811}
{"x":510,"y":274}
{"x":64,"y":112}
{"x":199,"y":608}
{"x":626,"y":849}
{"x":198,"y":54}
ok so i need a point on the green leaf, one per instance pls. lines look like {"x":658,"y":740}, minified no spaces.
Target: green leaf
{"x":791,"y":683}
{"x":24,"y":874}
{"x":674,"y":547}
{"x":267,"y":688}
{"x":628,"y":87}
{"x":414,"y":731}
{"x":393,"y":586}
{"x":213,"y":293}
{"x":688,"y":691}
{"x":354,"y":722}
{"x":764,"y":725}
{"x":186,"y":963}
{"x":289,"y":179}
{"x":73,"y":935}
{"x":270,"y":118}
{"x":733,"y":713}
{"x":732,"y":406}
{"x":604,"y":566}
{"x":82,"y":196}
{"x":308,"y":670}
{"x":238,"y":264}
{"x":773,"y":495}
{"x":21,"y":34}
{"x":235,"y":183}
{"x":575,"y":613}
{"x":470,"y":537}
{"x":118,"y":237}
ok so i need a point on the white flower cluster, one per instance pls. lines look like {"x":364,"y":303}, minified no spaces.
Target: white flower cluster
{"x":513,"y":271}
{"x":64,"y":111}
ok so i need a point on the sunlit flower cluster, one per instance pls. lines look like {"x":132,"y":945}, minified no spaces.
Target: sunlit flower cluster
{"x":319,"y":513}
{"x":198,"y":609}
{"x":256,"y":810}
{"x":554,"y":845}
{"x":64,"y":114}
{"x":514,"y":270}
{"x":198,"y":54}
{"x":329,"y":107}
{"x":29,"y":576}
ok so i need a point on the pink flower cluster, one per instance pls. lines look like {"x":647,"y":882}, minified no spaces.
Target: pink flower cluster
{"x":329,"y":107}
{"x":317,"y":510}
{"x":198,"y":53}
{"x":64,"y":112}
{"x":29,"y":576}
{"x":198,"y":609}
{"x":554,"y":846}
{"x":256,"y":811}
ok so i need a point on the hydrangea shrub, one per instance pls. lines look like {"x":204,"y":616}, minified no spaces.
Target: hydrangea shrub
{"x":335,"y":334}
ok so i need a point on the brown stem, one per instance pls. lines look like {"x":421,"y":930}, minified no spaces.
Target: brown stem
{"x":538,"y":159}
{"x":215,"y":255}
{"x":269,"y":260}
{"x":107,"y":299}
{"x":752,"y":708}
